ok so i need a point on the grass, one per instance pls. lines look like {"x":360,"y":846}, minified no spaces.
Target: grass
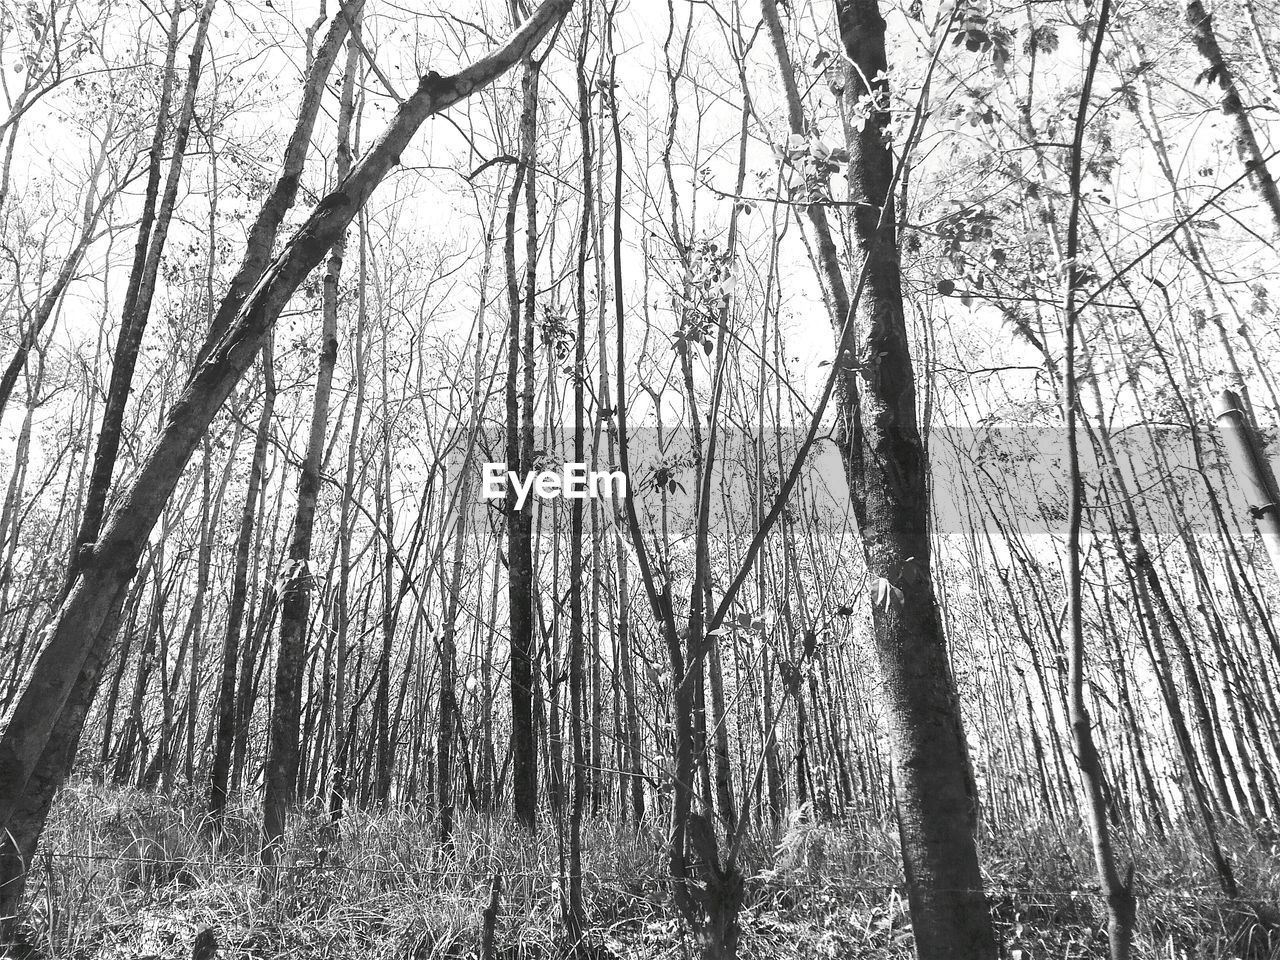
{"x":129,"y":874}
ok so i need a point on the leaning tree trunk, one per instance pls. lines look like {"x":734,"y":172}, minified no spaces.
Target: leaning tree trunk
{"x":51,"y":760}
{"x":1219,"y":70}
{"x":152,"y":236}
{"x":887,"y":471}
{"x":97,"y":593}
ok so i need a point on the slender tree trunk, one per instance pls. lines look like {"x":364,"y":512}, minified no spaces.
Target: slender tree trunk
{"x":152,"y":235}
{"x":575,"y":911}
{"x":625,"y":641}
{"x":1121,"y":906}
{"x":447,"y":701}
{"x":224,"y":737}
{"x":519,"y":422}
{"x":281,"y":771}
{"x":339,"y":786}
{"x":262,"y":236}
{"x":386,"y":728}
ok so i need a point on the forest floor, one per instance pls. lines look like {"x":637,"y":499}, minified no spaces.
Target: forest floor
{"x":125,"y":874}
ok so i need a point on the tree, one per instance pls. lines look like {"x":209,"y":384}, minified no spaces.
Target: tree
{"x":98,"y":591}
{"x":519,"y":445}
{"x":281,"y":774}
{"x":1120,"y":901}
{"x":887,"y":470}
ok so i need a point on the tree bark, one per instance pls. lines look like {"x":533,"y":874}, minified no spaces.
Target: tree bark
{"x":886,"y":463}
{"x":1206,"y":42}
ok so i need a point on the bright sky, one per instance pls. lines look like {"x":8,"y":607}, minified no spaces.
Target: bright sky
{"x":429,"y":214}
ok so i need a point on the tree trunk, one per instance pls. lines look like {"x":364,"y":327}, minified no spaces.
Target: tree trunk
{"x":262,"y":237}
{"x":1120,"y":904}
{"x":635,"y":755}
{"x":519,"y":429}
{"x":281,"y":771}
{"x":385,"y":729}
{"x":152,"y":235}
{"x":224,"y":736}
{"x":887,"y":469}
{"x":575,"y":911}
{"x":1206,"y":42}
{"x":27,"y":791}
{"x":339,"y":786}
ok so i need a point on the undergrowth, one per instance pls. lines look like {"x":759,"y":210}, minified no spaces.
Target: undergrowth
{"x":123,"y":873}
